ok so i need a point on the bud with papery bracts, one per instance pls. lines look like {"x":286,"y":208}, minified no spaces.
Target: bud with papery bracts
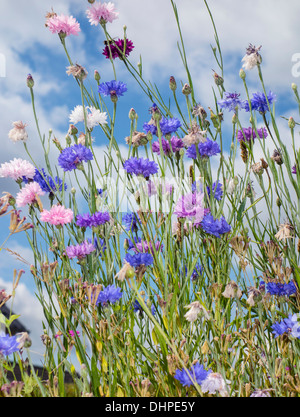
{"x":30,"y":81}
{"x":186,"y":89}
{"x":172,"y":83}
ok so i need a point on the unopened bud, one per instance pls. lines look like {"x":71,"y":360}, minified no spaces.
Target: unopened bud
{"x":113,"y":96}
{"x":186,"y":89}
{"x":242,"y":74}
{"x":278,"y":202}
{"x":132,"y":114}
{"x":72,"y":130}
{"x":218,"y":79}
{"x":291,"y":123}
{"x":30,"y":81}
{"x":172,"y":83}
{"x":294,"y":87}
{"x":97,"y":75}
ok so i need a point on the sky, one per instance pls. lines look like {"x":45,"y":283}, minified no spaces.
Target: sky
{"x":27,"y":46}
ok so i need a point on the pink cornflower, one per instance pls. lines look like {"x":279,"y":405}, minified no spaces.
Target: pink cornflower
{"x":28,"y":194}
{"x":57,"y":215}
{"x":101,"y":13}
{"x":62,"y":24}
{"x":16,"y":169}
{"x":191,"y":207}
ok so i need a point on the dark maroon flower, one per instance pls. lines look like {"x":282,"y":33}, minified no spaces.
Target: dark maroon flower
{"x":118,"y":48}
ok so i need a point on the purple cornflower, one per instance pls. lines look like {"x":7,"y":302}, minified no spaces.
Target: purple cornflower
{"x":92,"y":220}
{"x":109,"y":294}
{"x":80,"y":251}
{"x":83,"y":220}
{"x":139,"y":259}
{"x":215,"y":227}
{"x":175,"y":143}
{"x":259,"y":102}
{"x":140,"y":245}
{"x":167,"y":126}
{"x":206,"y":149}
{"x":117,"y":49}
{"x":249,"y":134}
{"x":197,"y":374}
{"x":113,"y":87}
{"x":191,"y":207}
{"x":294,"y":170}
{"x":277,"y":288}
{"x":231,"y":101}
{"x":217,"y":190}
{"x":131,"y":222}
{"x":99,"y":218}
{"x":8,"y":344}
{"x":288,"y":325}
{"x":73,"y":156}
{"x":140,"y":166}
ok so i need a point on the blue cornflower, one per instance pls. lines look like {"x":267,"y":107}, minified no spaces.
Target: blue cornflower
{"x":206,"y":149}
{"x":46,"y":182}
{"x":99,"y":245}
{"x":131,"y":222}
{"x":231,"y":101}
{"x":138,"y":308}
{"x":288,"y":325}
{"x":8,"y":344}
{"x":167,"y":126}
{"x":215,"y":227}
{"x":139,"y":259}
{"x":217,"y":190}
{"x":198,"y":270}
{"x":112,"y":87}
{"x":140,"y":166}
{"x":277,"y":288}
{"x":197,"y":373}
{"x":259,"y":102}
{"x":71,"y":157}
{"x":109,"y":294}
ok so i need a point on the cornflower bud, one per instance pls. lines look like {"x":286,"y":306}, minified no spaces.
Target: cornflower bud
{"x":242,"y":74}
{"x":186,"y":89}
{"x":97,"y":75}
{"x":30,"y":81}
{"x":218,"y":79}
{"x":172,"y":84}
{"x":132,"y":114}
{"x":291,"y":123}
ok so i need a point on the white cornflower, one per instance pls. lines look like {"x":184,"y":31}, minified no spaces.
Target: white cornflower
{"x":125,"y":272}
{"x":195,"y":309}
{"x":232,"y":290}
{"x":93,"y":116}
{"x":252,"y":57}
{"x":214,"y":383}
{"x":286,"y":231}
{"x":18,"y":133}
{"x":76,"y":115}
{"x":194,"y":136}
